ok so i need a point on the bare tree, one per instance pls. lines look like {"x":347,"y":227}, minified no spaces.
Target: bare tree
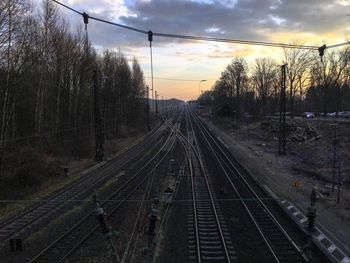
{"x":329,"y":75}
{"x":297,"y":60}
{"x":264,"y":73}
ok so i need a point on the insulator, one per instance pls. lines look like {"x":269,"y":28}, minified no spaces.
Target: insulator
{"x":150,"y":36}
{"x":86,"y":18}
{"x":321,"y":50}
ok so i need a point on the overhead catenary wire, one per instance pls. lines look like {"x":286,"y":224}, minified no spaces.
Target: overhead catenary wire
{"x":204,"y":38}
{"x":175,"y":79}
{"x":339,"y":45}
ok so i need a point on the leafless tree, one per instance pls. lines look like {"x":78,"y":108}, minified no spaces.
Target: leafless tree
{"x":264,"y":74}
{"x":298,"y":61}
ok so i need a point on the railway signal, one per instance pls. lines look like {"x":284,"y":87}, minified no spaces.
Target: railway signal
{"x":311,"y":214}
{"x":105,"y":228}
{"x":168,"y":193}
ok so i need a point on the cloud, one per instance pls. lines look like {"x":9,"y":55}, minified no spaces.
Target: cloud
{"x":312,"y":21}
{"x":314,"y":16}
{"x":241,"y":19}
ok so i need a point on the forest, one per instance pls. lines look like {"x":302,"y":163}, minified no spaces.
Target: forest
{"x":313,"y":84}
{"x":46,"y":86}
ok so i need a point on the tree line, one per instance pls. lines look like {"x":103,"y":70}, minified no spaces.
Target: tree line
{"x":313,"y":83}
{"x":46,"y":85}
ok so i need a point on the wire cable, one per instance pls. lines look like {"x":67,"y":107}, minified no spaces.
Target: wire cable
{"x":201,"y":38}
{"x":236,"y":41}
{"x":170,"y":79}
{"x":119,"y":25}
{"x":72,"y":9}
{"x":339,"y":45}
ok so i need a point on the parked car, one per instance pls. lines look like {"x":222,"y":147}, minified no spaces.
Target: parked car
{"x":308,"y":115}
{"x":344,"y":114}
{"x":332,"y":114}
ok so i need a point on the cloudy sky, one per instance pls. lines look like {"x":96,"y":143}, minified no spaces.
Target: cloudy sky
{"x":309,"y":21}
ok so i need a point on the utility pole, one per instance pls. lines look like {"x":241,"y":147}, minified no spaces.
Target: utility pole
{"x":334,"y":155}
{"x":99,"y":138}
{"x":162,"y":105}
{"x":335,"y":162}
{"x":156,"y":104}
{"x":282,"y":119}
{"x":148,"y":106}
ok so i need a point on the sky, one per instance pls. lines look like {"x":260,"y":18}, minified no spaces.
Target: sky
{"x":186,"y":63}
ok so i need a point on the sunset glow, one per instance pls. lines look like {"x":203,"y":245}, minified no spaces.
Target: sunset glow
{"x":308,"y":22}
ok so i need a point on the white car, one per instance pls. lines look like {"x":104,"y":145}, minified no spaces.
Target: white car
{"x":344,"y":114}
{"x":308,"y":115}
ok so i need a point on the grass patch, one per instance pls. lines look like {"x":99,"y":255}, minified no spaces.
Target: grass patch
{"x":44,"y":231}
{"x":38,"y":180}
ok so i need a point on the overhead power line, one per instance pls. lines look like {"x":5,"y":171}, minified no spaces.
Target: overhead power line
{"x":339,"y":45}
{"x":203,"y":38}
{"x":101,"y":20}
{"x":170,"y":79}
{"x":236,"y":41}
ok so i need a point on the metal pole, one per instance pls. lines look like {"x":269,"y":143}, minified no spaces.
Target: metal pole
{"x":282,"y":115}
{"x":156,"y":97}
{"x":98,"y":122}
{"x":148,"y":106}
{"x":284,"y":111}
{"x":334,"y":156}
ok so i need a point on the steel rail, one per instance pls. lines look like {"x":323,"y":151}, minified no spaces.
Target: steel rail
{"x":90,"y":179}
{"x":91,"y":213}
{"x":193,"y":195}
{"x":245,"y":206}
{"x":205,"y":176}
{"x":200,"y":158}
{"x":203,"y":129}
{"x":124,"y":200}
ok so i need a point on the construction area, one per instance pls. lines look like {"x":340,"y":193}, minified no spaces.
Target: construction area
{"x":316,"y":157}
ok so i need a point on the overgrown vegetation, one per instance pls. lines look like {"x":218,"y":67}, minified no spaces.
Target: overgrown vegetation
{"x":46,"y":95}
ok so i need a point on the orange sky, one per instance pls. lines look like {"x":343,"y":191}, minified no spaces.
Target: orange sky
{"x":314,"y":22}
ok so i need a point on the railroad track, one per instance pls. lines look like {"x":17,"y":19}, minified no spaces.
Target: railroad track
{"x":74,"y":237}
{"x":209,"y":240}
{"x":135,"y":238}
{"x":276,"y":238}
{"x":41,"y":213}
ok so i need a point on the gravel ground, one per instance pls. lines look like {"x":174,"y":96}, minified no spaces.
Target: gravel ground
{"x":38,"y":240}
{"x":174,"y":242}
{"x":258,"y":153}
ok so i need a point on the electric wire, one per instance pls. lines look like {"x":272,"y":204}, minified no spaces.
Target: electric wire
{"x":339,"y":45}
{"x":210,"y":39}
{"x":236,"y":41}
{"x":174,"y":79}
